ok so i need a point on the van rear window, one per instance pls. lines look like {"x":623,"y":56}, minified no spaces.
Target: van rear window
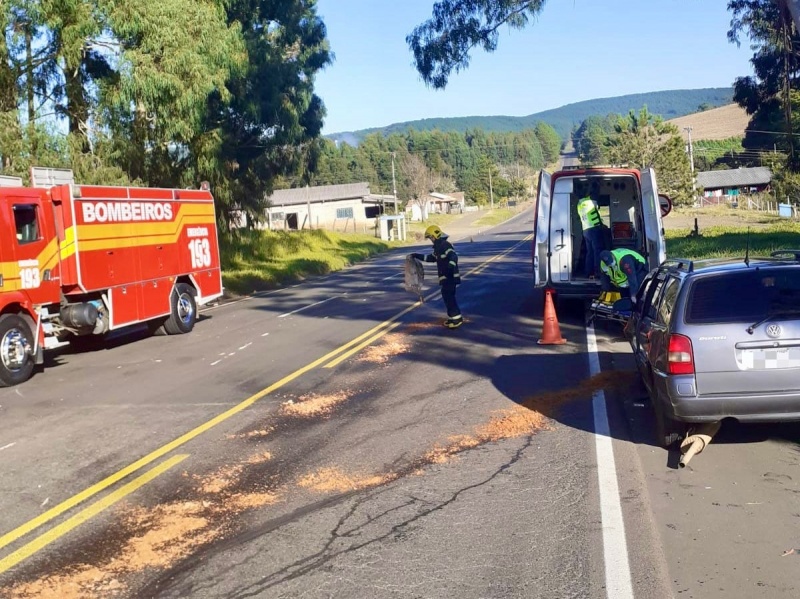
{"x":746,"y":296}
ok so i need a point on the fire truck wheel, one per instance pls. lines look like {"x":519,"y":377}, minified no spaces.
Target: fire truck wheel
{"x":16,"y":350}
{"x":184,"y":310}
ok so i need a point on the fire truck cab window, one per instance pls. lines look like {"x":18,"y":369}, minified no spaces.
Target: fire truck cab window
{"x":26,"y":224}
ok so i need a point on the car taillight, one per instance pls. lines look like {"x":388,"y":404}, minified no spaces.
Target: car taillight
{"x":681,"y":357}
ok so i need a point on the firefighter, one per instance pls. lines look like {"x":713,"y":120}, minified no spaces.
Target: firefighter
{"x":623,"y":269}
{"x":593,"y":236}
{"x":447,"y":267}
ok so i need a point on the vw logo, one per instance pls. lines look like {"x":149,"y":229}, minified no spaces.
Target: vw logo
{"x":774,"y":331}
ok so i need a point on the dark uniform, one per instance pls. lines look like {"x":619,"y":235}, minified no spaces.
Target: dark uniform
{"x":446,"y":260}
{"x":624,"y":269}
{"x":592,"y":226}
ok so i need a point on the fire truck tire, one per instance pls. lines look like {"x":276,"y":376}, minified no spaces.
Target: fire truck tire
{"x":184,"y":310}
{"x":16,"y":350}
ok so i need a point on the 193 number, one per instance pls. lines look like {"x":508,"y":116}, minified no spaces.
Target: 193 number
{"x":30,"y":278}
{"x":200,"y":250}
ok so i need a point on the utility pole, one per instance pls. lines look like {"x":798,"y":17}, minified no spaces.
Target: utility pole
{"x":491,"y":193}
{"x":691,"y":149}
{"x":691,"y":162}
{"x":394,"y":185}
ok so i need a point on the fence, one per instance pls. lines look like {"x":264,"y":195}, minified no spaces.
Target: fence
{"x":758,"y":202}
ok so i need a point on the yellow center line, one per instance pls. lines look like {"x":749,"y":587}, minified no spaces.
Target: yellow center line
{"x":68,"y":504}
{"x":373,"y":334}
{"x":55,"y":533}
{"x":361,"y":346}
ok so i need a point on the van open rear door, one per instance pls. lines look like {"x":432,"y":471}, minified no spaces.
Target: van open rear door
{"x":541,"y":230}
{"x":653,"y":227}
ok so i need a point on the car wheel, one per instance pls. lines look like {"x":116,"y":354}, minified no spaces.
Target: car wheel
{"x":668,"y":431}
{"x":184,"y":310}
{"x":16,"y":350}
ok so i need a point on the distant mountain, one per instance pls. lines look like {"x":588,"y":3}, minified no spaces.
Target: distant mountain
{"x":668,"y":104}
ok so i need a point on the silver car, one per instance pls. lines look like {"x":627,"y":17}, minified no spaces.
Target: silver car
{"x":718,"y":339}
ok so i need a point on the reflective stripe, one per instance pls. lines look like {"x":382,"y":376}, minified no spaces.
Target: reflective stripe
{"x":619,"y":278}
{"x":442,"y":278}
{"x":590,"y":216}
{"x":453,"y":263}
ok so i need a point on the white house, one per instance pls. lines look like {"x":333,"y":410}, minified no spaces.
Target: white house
{"x":349,"y":207}
{"x":436,"y":203}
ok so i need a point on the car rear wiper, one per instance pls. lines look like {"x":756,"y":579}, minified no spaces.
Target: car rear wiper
{"x":771,"y":315}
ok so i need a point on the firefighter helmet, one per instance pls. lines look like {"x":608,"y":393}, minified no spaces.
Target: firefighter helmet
{"x":434,"y":232}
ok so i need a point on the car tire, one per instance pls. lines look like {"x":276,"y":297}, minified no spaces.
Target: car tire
{"x":184,"y":310}
{"x":668,"y":431}
{"x":15,"y":338}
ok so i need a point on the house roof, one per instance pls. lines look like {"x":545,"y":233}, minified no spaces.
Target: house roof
{"x":735,"y":177}
{"x":321,"y":193}
{"x":445,"y":197}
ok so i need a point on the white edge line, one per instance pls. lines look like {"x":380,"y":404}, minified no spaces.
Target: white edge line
{"x":615,"y":548}
{"x":8,"y":446}
{"x":307,"y":307}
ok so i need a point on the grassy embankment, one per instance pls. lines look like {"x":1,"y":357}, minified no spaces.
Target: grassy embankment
{"x":259,"y":260}
{"x":720,"y":241}
{"x":496,"y":216}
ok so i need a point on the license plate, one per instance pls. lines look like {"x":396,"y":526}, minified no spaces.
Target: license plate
{"x":768,"y":359}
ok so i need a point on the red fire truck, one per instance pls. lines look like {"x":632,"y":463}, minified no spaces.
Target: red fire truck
{"x":78,"y":261}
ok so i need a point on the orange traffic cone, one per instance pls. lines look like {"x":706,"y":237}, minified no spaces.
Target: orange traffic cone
{"x":551,"y":332}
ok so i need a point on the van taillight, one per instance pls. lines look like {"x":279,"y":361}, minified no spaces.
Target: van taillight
{"x":681,"y":358}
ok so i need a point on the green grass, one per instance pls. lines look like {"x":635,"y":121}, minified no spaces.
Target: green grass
{"x":416,"y":230}
{"x":259,"y":260}
{"x":740,"y":214}
{"x":495,"y":217}
{"x":725,"y":242}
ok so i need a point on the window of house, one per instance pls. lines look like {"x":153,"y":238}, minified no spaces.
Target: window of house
{"x":344,"y":213}
{"x":27,"y":224}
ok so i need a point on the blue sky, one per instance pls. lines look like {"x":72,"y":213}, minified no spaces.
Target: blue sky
{"x":576,"y":50}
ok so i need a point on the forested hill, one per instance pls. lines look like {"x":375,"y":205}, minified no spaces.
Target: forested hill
{"x":668,"y":104}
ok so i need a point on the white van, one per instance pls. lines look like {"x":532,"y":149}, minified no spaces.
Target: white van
{"x":631,"y":210}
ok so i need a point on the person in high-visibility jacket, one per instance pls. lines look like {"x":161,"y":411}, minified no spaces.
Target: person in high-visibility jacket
{"x":593,"y":235}
{"x":622,"y":269}
{"x":446,"y":260}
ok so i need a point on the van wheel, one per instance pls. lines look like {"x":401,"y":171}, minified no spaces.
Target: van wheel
{"x":668,"y":431}
{"x":184,"y":310}
{"x":16,"y":350}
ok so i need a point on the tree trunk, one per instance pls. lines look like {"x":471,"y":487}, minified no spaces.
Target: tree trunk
{"x":77,"y":105}
{"x":30,"y":85}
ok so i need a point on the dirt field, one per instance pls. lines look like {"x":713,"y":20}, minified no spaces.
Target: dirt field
{"x":717,"y":123}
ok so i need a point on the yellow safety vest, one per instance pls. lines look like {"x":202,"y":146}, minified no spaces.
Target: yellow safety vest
{"x":590,"y":215}
{"x":619,"y":278}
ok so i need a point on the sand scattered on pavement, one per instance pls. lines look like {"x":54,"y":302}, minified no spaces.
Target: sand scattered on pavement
{"x":311,"y":405}
{"x":259,"y":458}
{"x":529,"y":418}
{"x":253,"y":434}
{"x":222,"y":480}
{"x":327,"y":480}
{"x":423,"y":326}
{"x":161,"y":536}
{"x":240,"y":502}
{"x":392,"y":345}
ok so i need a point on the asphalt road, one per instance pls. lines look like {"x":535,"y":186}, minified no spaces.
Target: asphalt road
{"x":269,"y":454}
